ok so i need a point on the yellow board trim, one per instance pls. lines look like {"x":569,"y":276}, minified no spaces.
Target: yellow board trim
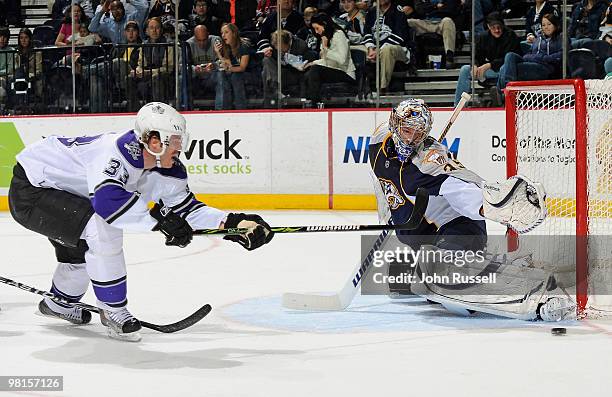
{"x":265,"y":201}
{"x":354,"y":202}
{"x":557,"y":207}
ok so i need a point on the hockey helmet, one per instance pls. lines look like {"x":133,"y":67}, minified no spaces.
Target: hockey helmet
{"x":163,"y":119}
{"x":410,"y":123}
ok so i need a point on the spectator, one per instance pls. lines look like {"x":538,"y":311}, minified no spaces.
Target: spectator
{"x":335,"y":64}
{"x":291,"y":20}
{"x":161,"y":8}
{"x":113,"y":28}
{"x":306,"y":33}
{"x":392,"y":32}
{"x":29,"y":62}
{"x":294,"y":55}
{"x":433,"y":16}
{"x":83,"y":36}
{"x":329,"y":7}
{"x":59,"y":8}
{"x":585,"y":20}
{"x":543,"y":62}
{"x":201,"y":16}
{"x":533,"y":19}
{"x":233,"y":52}
{"x":7,"y":60}
{"x":203,"y":61}
{"x":491,"y":48}
{"x":66,"y":28}
{"x":124,"y":62}
{"x":353,"y":20}
{"x":241,"y":13}
{"x":264,"y":8}
{"x":131,"y":52}
{"x":154,"y":73}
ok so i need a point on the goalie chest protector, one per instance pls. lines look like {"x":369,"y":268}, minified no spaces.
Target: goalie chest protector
{"x":430,"y":168}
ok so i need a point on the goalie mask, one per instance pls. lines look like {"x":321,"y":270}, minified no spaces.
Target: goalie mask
{"x":410,"y":123}
{"x":158,"y":118}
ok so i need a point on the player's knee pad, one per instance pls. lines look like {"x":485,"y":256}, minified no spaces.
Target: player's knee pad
{"x":72,"y":255}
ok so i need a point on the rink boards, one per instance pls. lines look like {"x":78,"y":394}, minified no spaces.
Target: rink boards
{"x":291,"y":159}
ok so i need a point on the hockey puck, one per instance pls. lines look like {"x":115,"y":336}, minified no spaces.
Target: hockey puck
{"x":558,"y":331}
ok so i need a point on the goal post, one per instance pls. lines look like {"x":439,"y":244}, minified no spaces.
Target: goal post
{"x":558,"y":132}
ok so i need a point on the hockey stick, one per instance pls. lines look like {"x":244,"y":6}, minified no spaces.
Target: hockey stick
{"x":311,"y":229}
{"x":167,"y":328}
{"x":465,"y":97}
{"x":412,"y":223}
{"x":344,"y":297}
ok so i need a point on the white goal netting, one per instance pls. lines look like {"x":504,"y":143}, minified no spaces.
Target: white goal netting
{"x":560,"y":134}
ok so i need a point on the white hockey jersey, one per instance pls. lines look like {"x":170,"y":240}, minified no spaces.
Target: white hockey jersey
{"x":109,"y":170}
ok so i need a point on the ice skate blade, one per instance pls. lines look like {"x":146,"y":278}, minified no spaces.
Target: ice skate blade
{"x":131,"y":337}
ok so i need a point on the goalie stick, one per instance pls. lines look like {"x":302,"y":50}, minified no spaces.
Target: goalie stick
{"x":465,"y":97}
{"x":167,"y":328}
{"x":344,"y":297}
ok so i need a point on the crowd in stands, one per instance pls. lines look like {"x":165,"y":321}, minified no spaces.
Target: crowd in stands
{"x":229,"y":50}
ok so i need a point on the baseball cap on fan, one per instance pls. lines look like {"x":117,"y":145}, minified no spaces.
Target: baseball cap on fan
{"x":132,"y":25}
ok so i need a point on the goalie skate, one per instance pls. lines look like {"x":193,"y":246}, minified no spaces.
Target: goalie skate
{"x":556,"y":309}
{"x":121,"y":325}
{"x":75,"y":315}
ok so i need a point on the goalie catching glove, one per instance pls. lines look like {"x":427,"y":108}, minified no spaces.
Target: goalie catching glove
{"x":258,"y":233}
{"x":176,"y":229}
{"x":517,"y":203}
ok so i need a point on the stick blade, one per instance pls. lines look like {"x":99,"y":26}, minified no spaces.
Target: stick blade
{"x":182,"y":324}
{"x":310,"y":302}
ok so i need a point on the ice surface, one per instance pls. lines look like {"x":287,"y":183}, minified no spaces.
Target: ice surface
{"x":250,"y":346}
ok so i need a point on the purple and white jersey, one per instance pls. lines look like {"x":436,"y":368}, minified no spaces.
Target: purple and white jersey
{"x":109,"y":170}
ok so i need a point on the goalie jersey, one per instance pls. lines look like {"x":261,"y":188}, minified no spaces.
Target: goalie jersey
{"x":109,"y":170}
{"x":454,"y":194}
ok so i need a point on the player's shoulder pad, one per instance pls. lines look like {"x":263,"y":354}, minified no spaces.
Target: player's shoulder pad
{"x":129,"y":147}
{"x":380,"y":133}
{"x":177,"y":171}
{"x":432,"y":157}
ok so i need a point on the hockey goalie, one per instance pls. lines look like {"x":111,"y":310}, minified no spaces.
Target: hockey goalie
{"x":403,"y":158}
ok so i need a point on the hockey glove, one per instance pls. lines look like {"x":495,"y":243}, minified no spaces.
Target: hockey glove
{"x":517,"y":203}
{"x":176,"y":229}
{"x":258,"y":233}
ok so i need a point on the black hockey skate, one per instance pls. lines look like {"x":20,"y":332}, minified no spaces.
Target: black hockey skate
{"x":121,"y":325}
{"x":75,"y":315}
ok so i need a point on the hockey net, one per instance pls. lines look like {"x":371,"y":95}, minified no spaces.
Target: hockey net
{"x":559,"y":133}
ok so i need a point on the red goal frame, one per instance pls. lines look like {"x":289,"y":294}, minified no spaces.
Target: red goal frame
{"x":580,"y":114}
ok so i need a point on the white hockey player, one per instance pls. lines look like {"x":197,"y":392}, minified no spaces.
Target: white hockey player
{"x":403,"y":158}
{"x":83,"y":192}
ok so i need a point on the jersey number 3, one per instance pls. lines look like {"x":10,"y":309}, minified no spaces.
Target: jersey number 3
{"x":113,"y":168}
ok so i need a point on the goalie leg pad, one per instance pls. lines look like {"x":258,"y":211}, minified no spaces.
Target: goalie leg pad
{"x":517,"y":292}
{"x":59,"y":215}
